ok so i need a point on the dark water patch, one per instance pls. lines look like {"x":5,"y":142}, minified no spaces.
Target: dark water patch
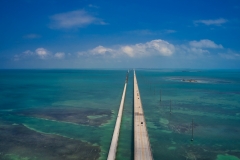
{"x":21,"y":142}
{"x":83,"y":116}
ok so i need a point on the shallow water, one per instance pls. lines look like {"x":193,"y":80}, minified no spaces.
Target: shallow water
{"x":213,"y":105}
{"x":213,"y":102}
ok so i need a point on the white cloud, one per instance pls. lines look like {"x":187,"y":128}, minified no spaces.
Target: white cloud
{"x":217,"y":22}
{"x":190,"y":52}
{"x":59,"y":55}
{"x":162,"y":47}
{"x":100,"y":50}
{"x":158,"y":47}
{"x":28,"y":53}
{"x":197,"y":51}
{"x":74,"y":19}
{"x":41,"y":52}
{"x":25,"y":54}
{"x":230,"y":55}
{"x":154,"y":47}
{"x":205,"y":43}
{"x":128,"y":50}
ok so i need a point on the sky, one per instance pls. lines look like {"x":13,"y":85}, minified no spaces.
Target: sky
{"x":197,"y":34}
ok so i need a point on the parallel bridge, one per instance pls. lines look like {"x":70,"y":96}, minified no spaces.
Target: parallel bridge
{"x":142,"y":148}
{"x":114,"y":142}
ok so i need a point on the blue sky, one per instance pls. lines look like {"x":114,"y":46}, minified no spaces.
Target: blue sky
{"x":120,"y":34}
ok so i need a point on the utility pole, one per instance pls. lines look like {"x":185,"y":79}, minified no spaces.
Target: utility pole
{"x":160,"y":95}
{"x":170,"y":106}
{"x":192,"y":130}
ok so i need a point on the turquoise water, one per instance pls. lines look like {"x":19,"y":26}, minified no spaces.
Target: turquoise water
{"x":212,"y":100}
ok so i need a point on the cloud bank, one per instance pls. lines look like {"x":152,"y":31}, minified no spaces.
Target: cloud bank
{"x":100,"y":50}
{"x":154,"y":47}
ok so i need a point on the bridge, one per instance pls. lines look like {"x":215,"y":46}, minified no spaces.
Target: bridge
{"x":142,"y":148}
{"x":114,"y":143}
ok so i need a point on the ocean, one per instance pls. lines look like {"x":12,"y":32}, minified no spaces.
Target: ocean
{"x":70,"y":114}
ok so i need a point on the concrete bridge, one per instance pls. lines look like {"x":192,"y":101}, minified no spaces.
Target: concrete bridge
{"x":142,"y":148}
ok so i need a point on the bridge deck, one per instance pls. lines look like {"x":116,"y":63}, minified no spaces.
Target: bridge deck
{"x":142,"y":149}
{"x":114,"y":143}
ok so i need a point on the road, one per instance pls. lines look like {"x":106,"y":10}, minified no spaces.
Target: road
{"x":142,"y":148}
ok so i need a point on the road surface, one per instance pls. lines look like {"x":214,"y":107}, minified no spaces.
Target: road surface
{"x":142,"y":148}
